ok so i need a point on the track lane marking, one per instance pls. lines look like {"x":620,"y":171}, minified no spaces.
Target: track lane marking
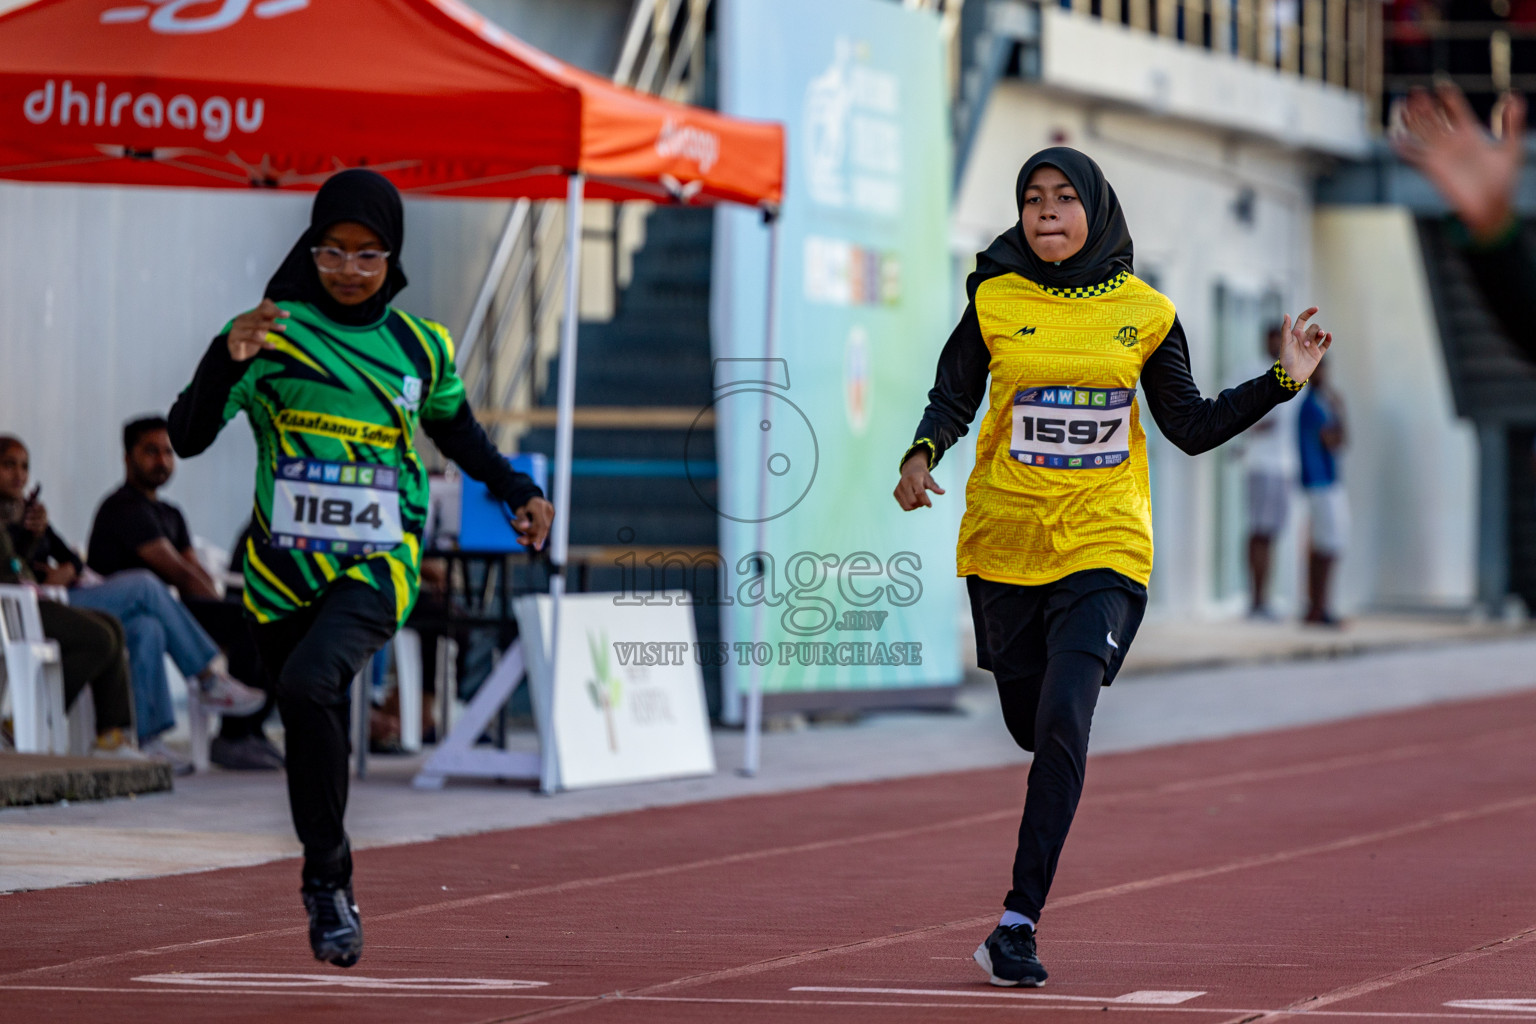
{"x":1142,"y":998}
{"x":1306,"y":1007}
{"x":203,"y":990}
{"x":1090,"y":896}
{"x":1234,"y":778}
{"x":1368,"y":1014}
{"x":745,"y":1001}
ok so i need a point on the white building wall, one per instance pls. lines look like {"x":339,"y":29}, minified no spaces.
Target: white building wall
{"x":109,"y":296}
{"x":1411,"y":469}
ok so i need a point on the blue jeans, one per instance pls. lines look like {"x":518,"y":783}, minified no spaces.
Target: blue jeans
{"x":155,"y":624}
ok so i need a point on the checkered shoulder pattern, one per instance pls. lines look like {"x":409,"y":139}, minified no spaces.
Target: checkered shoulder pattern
{"x":1088,"y":291}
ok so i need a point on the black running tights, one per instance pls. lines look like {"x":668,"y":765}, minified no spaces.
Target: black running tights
{"x":310,"y":657}
{"x":1049,"y":713}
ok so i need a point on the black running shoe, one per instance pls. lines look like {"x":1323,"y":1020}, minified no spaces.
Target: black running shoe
{"x":335,"y":930}
{"x":1008,"y":957}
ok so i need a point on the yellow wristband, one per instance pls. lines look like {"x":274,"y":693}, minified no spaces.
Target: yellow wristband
{"x":921,"y":442}
{"x":1286,"y":380}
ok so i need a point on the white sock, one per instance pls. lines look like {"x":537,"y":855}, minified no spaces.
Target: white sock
{"x":1013,"y":917}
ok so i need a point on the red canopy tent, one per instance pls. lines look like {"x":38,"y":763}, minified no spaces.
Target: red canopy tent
{"x":283,"y":93}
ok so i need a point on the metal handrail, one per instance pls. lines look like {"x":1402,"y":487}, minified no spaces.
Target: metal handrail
{"x":634,"y":38}
{"x":515,"y":284}
{"x":516,"y":217}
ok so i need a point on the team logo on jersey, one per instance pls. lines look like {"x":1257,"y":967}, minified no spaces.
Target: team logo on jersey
{"x":1127,"y":337}
{"x":410,"y":394}
{"x":1023,"y":332}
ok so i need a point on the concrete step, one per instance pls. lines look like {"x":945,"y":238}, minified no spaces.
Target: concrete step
{"x":45,"y":779}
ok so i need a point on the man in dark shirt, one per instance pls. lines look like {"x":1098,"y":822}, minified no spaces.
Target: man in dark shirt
{"x":134,"y":529}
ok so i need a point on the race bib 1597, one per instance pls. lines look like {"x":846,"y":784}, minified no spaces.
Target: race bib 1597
{"x":1072,"y":428}
{"x":338,"y":508}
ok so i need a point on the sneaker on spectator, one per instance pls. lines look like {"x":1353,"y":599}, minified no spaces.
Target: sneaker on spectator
{"x":115,"y":743}
{"x":229,"y":696}
{"x":242,"y":755}
{"x":156,"y":750}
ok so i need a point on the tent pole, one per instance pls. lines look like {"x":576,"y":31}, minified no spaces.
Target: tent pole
{"x":752,"y":749}
{"x":564,"y":421}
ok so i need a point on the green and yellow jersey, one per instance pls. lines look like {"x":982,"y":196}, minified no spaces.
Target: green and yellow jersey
{"x":340,"y":490}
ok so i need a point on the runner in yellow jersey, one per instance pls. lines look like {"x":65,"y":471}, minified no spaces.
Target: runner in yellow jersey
{"x":1056,"y":541}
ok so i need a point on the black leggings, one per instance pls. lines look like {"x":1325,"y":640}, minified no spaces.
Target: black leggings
{"x":227,"y":624}
{"x":1049,"y":713}
{"x":310,"y":657}
{"x":91,"y":647}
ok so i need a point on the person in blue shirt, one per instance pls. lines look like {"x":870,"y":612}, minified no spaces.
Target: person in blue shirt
{"x":1320,"y":437}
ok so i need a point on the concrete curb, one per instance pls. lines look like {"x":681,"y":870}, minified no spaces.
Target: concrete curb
{"x":43,"y":779}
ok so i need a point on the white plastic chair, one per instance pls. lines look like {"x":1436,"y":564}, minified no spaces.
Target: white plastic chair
{"x":407,"y":651}
{"x":34,"y":675}
{"x":199,"y":718}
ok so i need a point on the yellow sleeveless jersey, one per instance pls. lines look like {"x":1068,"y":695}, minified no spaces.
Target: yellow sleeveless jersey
{"x":1060,"y":483}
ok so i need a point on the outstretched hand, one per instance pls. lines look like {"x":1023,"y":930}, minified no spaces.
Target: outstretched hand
{"x":1301,"y":350}
{"x":1476,"y":173}
{"x":912,"y":490}
{"x":248,"y":333}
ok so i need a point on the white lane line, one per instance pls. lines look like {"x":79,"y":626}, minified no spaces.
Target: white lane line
{"x":309,"y":982}
{"x":1143,"y":998}
{"x":724,"y":1001}
{"x":1310,"y":1005}
{"x":1527,"y":1005}
{"x":306,"y":993}
{"x":1053,"y":1008}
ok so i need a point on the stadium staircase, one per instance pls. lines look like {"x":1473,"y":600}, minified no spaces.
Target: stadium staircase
{"x":630,"y":487}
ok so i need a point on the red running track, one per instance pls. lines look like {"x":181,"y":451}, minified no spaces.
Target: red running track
{"x":1376,"y":870}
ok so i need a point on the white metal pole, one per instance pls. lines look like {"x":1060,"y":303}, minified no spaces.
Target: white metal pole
{"x":752,"y":750}
{"x":494,"y":271}
{"x":564,"y":420}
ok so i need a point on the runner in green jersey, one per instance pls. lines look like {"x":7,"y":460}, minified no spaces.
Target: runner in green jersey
{"x":335,"y":382}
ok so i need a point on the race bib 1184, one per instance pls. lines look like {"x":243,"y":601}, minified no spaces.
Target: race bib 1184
{"x":1072,"y":428}
{"x":336,"y":508}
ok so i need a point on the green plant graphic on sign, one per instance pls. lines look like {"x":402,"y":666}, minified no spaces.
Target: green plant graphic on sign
{"x":604,"y":689}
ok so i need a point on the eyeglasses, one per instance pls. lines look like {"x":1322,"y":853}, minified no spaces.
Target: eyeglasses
{"x":368,"y":262}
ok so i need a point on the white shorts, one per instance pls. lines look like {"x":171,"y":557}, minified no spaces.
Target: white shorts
{"x":1269,"y":497}
{"x":1328,"y":511}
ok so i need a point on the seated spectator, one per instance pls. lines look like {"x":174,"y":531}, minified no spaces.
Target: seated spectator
{"x":91,"y":648}
{"x":152,"y":622}
{"x":135,"y":530}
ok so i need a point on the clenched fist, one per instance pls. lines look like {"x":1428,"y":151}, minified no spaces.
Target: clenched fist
{"x":248,"y":334}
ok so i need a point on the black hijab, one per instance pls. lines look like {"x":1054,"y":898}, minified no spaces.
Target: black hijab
{"x":363,"y":197}
{"x":1107,"y":250}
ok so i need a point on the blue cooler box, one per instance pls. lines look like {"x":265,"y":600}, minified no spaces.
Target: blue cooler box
{"x":485,"y":524}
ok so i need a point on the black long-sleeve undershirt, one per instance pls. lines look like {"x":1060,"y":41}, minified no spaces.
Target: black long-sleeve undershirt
{"x":1192,"y":422}
{"x":462,"y":439}
{"x":198,"y":415}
